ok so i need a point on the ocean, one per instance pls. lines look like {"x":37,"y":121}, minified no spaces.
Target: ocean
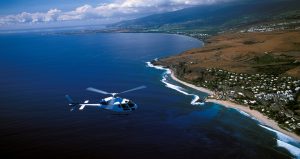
{"x":38,"y":69}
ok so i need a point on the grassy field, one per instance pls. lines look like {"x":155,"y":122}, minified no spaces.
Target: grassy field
{"x":274,"y":52}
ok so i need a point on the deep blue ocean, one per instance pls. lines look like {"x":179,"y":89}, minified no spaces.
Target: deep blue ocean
{"x":38,"y":69}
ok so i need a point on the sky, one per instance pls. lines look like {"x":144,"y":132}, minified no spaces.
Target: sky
{"x":15,"y":14}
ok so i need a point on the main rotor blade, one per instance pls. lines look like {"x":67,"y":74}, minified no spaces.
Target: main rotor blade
{"x":133,"y":89}
{"x":97,"y":90}
{"x":69,"y":99}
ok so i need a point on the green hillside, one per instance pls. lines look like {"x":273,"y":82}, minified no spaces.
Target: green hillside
{"x":217,"y":17}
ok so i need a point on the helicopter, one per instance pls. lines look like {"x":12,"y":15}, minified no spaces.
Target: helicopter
{"x":112,"y":103}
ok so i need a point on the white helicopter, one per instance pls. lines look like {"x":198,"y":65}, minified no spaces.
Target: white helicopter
{"x":112,"y":103}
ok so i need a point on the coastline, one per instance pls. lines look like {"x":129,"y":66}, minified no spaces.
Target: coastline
{"x":264,"y":120}
{"x":201,"y":89}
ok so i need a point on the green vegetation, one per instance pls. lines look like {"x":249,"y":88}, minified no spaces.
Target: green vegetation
{"x":212,"y":19}
{"x":276,"y":97}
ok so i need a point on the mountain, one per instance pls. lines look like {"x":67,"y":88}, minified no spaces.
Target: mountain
{"x":217,"y":16}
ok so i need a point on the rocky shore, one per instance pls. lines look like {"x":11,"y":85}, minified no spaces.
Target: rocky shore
{"x":257,"y":71}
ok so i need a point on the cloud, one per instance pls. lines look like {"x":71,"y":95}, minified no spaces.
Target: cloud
{"x":25,"y":17}
{"x":122,"y":9}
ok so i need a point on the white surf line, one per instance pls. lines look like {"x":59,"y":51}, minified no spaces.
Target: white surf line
{"x":282,"y":139}
{"x":172,"y":86}
{"x":245,"y":114}
{"x":177,"y":88}
{"x":285,"y":141}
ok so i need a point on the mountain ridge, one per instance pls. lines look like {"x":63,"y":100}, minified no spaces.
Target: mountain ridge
{"x":218,"y":16}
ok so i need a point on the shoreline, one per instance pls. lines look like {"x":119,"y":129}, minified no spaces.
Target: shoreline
{"x":264,"y":120}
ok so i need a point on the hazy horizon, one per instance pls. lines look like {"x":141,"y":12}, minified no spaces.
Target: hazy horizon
{"x":20,"y":14}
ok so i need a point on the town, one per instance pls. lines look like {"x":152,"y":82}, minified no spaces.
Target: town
{"x":274,"y":96}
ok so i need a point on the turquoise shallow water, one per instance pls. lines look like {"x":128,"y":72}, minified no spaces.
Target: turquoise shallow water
{"x":38,"y":69}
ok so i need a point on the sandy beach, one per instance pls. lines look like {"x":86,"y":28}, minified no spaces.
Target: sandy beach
{"x":201,"y":89}
{"x":264,"y":120}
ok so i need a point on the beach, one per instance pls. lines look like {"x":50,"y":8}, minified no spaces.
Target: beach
{"x":201,"y":89}
{"x":264,"y":120}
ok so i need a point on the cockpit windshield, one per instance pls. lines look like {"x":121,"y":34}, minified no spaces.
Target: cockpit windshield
{"x":130,"y":104}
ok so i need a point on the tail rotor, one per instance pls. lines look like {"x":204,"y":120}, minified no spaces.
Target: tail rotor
{"x":72,"y":104}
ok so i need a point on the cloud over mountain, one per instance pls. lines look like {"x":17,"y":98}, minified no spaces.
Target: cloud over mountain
{"x":117,"y":10}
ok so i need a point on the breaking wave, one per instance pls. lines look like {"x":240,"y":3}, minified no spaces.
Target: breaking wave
{"x":167,"y":72}
{"x":285,"y":142}
{"x":245,"y":114}
{"x":282,"y":139}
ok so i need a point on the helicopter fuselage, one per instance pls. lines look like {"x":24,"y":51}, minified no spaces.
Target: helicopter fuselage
{"x":118,"y":104}
{"x":112,"y":103}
